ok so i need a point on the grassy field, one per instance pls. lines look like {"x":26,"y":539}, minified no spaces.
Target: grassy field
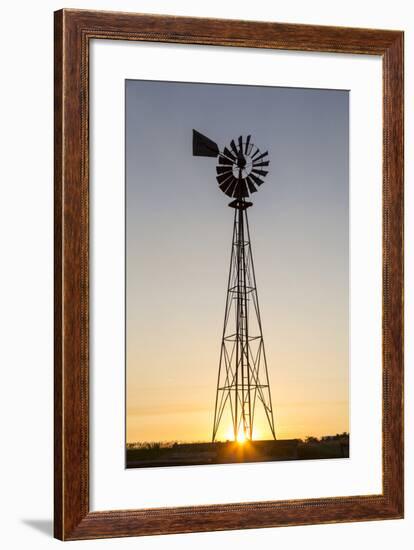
{"x":145,"y":455}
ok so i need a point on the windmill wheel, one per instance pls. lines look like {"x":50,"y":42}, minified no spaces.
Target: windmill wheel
{"x":240,"y":168}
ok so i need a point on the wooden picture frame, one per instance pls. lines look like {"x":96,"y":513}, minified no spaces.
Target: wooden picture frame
{"x":73,"y":31}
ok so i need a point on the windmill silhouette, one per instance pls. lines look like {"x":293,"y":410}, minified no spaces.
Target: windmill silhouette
{"x":243,"y":378}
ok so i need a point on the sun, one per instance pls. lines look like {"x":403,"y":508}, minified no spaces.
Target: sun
{"x":241,"y":437}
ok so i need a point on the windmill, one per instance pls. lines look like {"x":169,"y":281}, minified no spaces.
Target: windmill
{"x":243,"y":378}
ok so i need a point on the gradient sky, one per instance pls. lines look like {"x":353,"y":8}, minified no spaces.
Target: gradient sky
{"x":178,"y":239}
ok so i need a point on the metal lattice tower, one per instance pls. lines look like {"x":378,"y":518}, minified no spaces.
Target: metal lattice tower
{"x":243,"y":378}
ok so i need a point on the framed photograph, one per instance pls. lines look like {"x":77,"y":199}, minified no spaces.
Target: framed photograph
{"x":228,"y":274}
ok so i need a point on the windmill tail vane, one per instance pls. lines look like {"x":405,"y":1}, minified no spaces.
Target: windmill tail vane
{"x":243,"y":377}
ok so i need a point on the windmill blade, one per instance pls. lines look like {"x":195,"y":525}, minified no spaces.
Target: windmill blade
{"x":261,"y":156}
{"x":224,"y":160}
{"x":256,"y":153}
{"x":228,"y":154}
{"x":233,"y":146}
{"x":223,"y":177}
{"x":204,"y":146}
{"x":223,"y":169}
{"x":226,"y":185}
{"x":256,"y":180}
{"x":260,"y":172}
{"x":265,"y":163}
{"x":247,"y":144}
{"x":241,"y":144}
{"x":241,"y":190}
{"x":230,"y":189}
{"x":251,"y":186}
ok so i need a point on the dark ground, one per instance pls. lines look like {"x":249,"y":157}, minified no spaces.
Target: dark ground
{"x":185,"y":454}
